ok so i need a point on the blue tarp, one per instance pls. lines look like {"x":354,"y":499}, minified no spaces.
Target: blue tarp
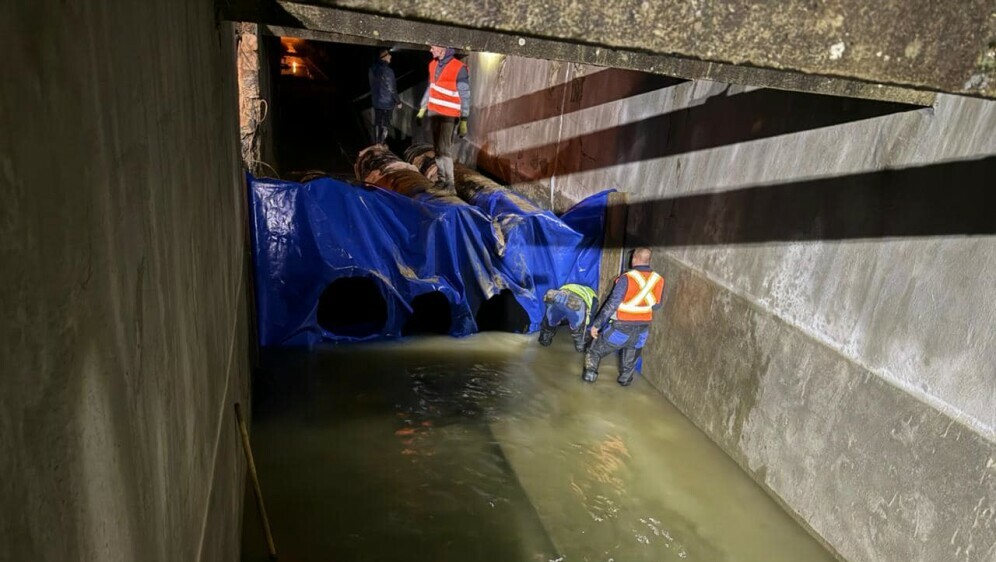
{"x":306,"y":236}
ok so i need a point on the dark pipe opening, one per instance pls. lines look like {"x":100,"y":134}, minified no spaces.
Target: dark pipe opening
{"x":430,"y":315}
{"x":352,"y":306}
{"x":502,"y":313}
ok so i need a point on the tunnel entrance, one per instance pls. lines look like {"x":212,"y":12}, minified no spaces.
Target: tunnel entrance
{"x":431,"y":314}
{"x":352,"y":306}
{"x":502,"y":313}
{"x":321,"y":109}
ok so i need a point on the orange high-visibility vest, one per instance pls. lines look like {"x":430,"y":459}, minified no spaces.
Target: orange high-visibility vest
{"x":444,"y":99}
{"x":643,"y":291}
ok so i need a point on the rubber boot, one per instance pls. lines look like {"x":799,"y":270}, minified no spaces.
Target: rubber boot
{"x":546,"y":337}
{"x":589,"y":375}
{"x":625,"y":380}
{"x":578,"y":340}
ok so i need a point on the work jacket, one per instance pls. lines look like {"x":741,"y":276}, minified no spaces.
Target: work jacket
{"x":383,"y":87}
{"x":635,"y":297}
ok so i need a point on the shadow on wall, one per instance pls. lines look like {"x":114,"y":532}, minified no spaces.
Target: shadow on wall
{"x":611,"y":84}
{"x":721,"y":120}
{"x":947,"y":199}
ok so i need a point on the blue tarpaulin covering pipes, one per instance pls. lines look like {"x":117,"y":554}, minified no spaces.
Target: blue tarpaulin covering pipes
{"x":342,"y":262}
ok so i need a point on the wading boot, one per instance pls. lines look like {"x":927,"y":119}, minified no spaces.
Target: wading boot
{"x":546,"y":337}
{"x":625,"y":380}
{"x":578,"y":341}
{"x":589,"y":376}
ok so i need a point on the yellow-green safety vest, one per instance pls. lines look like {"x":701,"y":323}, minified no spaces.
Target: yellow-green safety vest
{"x":586,"y":294}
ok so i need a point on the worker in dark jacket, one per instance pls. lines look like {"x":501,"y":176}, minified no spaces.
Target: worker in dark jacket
{"x":626,"y":317}
{"x":383,"y":94}
{"x":573,"y":304}
{"x":447,"y":102}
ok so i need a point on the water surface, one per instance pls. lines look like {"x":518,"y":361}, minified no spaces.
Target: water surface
{"x":491,"y":448}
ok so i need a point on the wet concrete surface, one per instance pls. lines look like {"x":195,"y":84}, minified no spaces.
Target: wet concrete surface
{"x":491,"y":448}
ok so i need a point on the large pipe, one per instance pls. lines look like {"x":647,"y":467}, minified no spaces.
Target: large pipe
{"x":379,"y":166}
{"x":469,"y":183}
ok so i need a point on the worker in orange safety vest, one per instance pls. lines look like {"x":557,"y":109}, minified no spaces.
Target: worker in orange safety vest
{"x":447,"y":102}
{"x":624,"y":320}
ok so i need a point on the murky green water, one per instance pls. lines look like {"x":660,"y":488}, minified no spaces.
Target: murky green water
{"x":490,"y":448}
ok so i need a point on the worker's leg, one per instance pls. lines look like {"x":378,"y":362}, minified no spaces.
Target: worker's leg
{"x":442,"y":144}
{"x":547,"y":331}
{"x":577,"y":315}
{"x":611,"y":340}
{"x":630,"y":355}
{"x":553,"y":316}
{"x":382,"y":122}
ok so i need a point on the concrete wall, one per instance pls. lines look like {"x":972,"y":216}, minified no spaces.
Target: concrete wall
{"x":830,"y":269}
{"x":124,"y":320}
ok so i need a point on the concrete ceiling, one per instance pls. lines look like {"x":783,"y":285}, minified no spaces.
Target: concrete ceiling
{"x":890,"y":50}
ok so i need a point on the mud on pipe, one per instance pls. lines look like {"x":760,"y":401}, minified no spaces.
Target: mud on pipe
{"x":379,"y":166}
{"x":470,"y":184}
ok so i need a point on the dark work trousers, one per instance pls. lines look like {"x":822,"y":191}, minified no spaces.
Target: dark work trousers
{"x":627,"y":338}
{"x":382,"y":125}
{"x":442,"y":145}
{"x":564,"y":306}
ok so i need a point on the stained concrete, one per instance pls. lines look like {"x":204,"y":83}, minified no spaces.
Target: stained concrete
{"x":331,"y":22}
{"x":124,"y":325}
{"x":829,"y":314}
{"x":944,"y":46}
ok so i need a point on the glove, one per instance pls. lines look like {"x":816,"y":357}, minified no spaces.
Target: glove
{"x":421,"y":114}
{"x":462,"y":130}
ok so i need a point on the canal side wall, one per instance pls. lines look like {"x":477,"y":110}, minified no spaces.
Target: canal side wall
{"x":829,"y":264}
{"x":125,"y":326}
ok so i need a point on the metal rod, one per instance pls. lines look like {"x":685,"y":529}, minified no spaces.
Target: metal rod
{"x":258,"y":492}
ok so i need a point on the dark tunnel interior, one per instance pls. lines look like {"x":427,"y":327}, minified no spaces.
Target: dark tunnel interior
{"x":431,"y":314}
{"x":502,"y":313}
{"x":320,"y":105}
{"x":352,"y":306}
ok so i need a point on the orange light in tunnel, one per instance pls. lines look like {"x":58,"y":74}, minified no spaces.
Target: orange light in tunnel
{"x":290,"y":44}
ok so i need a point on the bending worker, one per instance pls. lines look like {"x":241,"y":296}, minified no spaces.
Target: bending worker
{"x":571,"y":303}
{"x":628,"y":312}
{"x":383,"y":94}
{"x":447,"y":100}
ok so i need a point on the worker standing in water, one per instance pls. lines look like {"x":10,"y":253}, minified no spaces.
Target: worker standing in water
{"x":627,"y":313}
{"x":573,"y":304}
{"x":383,"y":94}
{"x":447,"y":102}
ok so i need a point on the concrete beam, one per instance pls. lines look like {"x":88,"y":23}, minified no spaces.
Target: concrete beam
{"x":330,"y":37}
{"x":946,"y":45}
{"x":396,"y":29}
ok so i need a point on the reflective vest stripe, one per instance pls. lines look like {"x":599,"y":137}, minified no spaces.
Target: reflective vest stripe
{"x":444,"y":103}
{"x":443,"y":90}
{"x":644,"y":301}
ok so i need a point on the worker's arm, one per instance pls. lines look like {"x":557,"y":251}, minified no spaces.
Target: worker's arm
{"x":463,"y":87}
{"x":425,"y":97}
{"x":659,"y":303}
{"x":611,"y":304}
